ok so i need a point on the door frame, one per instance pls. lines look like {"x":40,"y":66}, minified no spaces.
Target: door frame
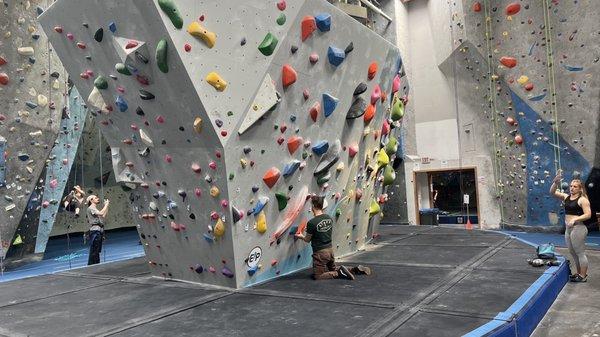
{"x":438,"y":170}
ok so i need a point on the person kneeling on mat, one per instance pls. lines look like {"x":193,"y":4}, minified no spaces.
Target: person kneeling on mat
{"x":318,"y":233}
{"x":95,"y":219}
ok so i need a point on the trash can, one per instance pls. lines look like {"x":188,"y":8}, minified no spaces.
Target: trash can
{"x":429,"y":216}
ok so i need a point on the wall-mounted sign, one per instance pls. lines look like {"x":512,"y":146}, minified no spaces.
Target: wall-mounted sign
{"x":254,"y":257}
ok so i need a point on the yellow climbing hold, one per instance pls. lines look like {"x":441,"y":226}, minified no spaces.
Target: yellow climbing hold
{"x":198,"y":124}
{"x":243,"y":162}
{"x":374,"y":208}
{"x":261,"y":222}
{"x":219,"y":228}
{"x":216,"y":81}
{"x":196,"y":29}
{"x":214,"y":191}
{"x":382,"y":159}
{"x":523,"y":79}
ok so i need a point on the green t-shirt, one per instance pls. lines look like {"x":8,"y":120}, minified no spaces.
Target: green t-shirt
{"x":320,"y":229}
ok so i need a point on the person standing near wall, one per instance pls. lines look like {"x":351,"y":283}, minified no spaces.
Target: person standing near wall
{"x":577,"y":210}
{"x":95,"y":219}
{"x":318,"y":233}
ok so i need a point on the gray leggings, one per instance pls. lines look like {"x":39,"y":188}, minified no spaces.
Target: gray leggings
{"x":575,"y":239}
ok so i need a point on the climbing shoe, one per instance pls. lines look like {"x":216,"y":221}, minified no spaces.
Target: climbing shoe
{"x":579,"y":278}
{"x":345,"y":273}
{"x":361,"y":270}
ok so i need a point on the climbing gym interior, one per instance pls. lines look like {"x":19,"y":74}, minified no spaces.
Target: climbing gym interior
{"x":432,"y":129}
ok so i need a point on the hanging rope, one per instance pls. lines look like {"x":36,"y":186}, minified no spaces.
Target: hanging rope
{"x":492,"y":105}
{"x":70,"y":128}
{"x":100,"y":150}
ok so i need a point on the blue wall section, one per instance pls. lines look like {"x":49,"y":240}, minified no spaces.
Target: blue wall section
{"x":65,"y":148}
{"x":540,"y":158}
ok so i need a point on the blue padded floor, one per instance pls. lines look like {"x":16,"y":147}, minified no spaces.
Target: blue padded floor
{"x":119,"y":245}
{"x":592,"y":242}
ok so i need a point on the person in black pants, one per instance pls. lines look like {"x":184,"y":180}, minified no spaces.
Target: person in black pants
{"x":95,"y":218}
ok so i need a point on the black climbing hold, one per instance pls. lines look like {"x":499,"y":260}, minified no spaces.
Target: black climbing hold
{"x":99,"y":35}
{"x":357,"y":108}
{"x":55,"y":74}
{"x":360,"y":88}
{"x":146,"y":95}
{"x":294,"y":49}
{"x":349,"y":48}
{"x":139,"y":111}
{"x":243,"y":42}
{"x":86,"y":25}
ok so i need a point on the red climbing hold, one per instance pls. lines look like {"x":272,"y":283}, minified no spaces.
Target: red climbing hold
{"x":519,"y":139}
{"x":385,"y":128}
{"x":314,"y":111}
{"x":280,"y":140}
{"x":294,"y":143}
{"x":509,"y":62}
{"x":81,"y":45}
{"x":513,"y":8}
{"x":131,"y":44}
{"x":4,"y":78}
{"x":187,"y":47}
{"x":271,"y":177}
{"x":369,"y":113}
{"x":510,"y":121}
{"x":288,"y":75}
{"x":308,"y":26}
{"x":2,"y":61}
{"x":477,"y":6}
{"x":281,"y":5}
{"x":529,"y":86}
{"x":372,"y":71}
{"x":58,"y":29}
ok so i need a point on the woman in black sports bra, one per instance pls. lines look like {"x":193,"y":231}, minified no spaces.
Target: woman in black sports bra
{"x":577,"y":210}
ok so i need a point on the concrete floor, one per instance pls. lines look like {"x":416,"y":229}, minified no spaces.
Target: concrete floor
{"x":576,"y":311}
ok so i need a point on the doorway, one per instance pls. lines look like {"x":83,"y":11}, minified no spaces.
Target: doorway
{"x":452,"y":192}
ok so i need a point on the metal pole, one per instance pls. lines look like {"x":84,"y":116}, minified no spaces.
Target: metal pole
{"x":376,"y":10}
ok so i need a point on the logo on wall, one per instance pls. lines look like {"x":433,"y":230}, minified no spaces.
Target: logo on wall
{"x":254,"y":257}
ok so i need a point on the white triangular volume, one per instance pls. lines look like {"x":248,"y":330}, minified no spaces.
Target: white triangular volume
{"x":123,"y":47}
{"x":265,"y":99}
{"x":96,"y":101}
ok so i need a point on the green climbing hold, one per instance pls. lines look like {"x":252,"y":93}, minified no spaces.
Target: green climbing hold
{"x":338,"y":212}
{"x":267,"y":46}
{"x":169,"y":7}
{"x":374,"y":208}
{"x":231,"y":176}
{"x":389,"y":175}
{"x":100,"y":82}
{"x":281,"y":19}
{"x":122,"y":69}
{"x":392,"y":146}
{"x":397,"y":108}
{"x":161,"y":56}
{"x":282,"y":200}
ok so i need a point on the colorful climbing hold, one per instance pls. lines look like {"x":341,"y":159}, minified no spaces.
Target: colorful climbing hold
{"x":281,"y":19}
{"x":294,"y":143}
{"x":376,"y":94}
{"x":477,"y":7}
{"x":509,"y":62}
{"x":369,"y":113}
{"x":268,"y":44}
{"x":4,"y":78}
{"x":323,"y":21}
{"x":290,"y":168}
{"x":261,"y":222}
{"x":329,"y":104}
{"x":219,"y":228}
{"x":308,"y":26}
{"x":372,"y":71}
{"x":397,"y":108}
{"x":320,"y":148}
{"x":198,"y":124}
{"x":170,"y":9}
{"x":271,"y":176}
{"x":374,"y":208}
{"x":513,"y":8}
{"x":335,"y":55}
{"x":352,"y":150}
{"x":100,"y":82}
{"x":281,"y":5}
{"x":161,"y":56}
{"x":282,"y":200}
{"x":216,"y":81}
{"x":99,"y":34}
{"x":288,"y":75}
{"x":195,"y":29}
{"x":314,"y":111}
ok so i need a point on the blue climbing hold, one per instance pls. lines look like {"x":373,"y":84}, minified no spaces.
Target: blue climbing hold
{"x":293,"y":230}
{"x":40,"y":10}
{"x":335,"y":55}
{"x":209,"y":238}
{"x":31,"y":105}
{"x":323,"y":22}
{"x":112,"y":26}
{"x":198,"y":268}
{"x":329,"y":103}
{"x":121,"y":104}
{"x":291,"y":167}
{"x":252,"y":270}
{"x":321,"y":147}
{"x":262,"y":202}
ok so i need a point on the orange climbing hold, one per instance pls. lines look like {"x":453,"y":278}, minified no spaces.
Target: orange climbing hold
{"x":314,"y":111}
{"x":288,"y":75}
{"x":513,"y":8}
{"x":308,"y":26}
{"x":271,"y":177}
{"x":509,"y":62}
{"x":519,"y":139}
{"x":294,"y":143}
{"x":372,"y":71}
{"x":477,"y":6}
{"x":369,"y":113}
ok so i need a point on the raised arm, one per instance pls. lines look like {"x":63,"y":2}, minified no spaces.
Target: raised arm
{"x":104,"y":209}
{"x":554,"y":187}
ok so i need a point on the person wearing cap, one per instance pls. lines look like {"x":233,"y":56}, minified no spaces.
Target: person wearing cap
{"x":318,"y":233}
{"x":95,"y":218}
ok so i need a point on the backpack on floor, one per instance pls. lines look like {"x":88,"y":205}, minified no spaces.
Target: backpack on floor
{"x":546,"y":251}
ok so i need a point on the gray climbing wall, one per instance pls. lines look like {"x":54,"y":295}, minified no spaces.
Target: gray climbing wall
{"x":539,"y":96}
{"x":32,"y":84}
{"x":222,"y":153}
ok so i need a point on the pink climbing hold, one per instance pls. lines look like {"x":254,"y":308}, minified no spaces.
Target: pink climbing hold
{"x":168,"y":158}
{"x":313,"y":58}
{"x":306,"y":94}
{"x":385,"y":128}
{"x":280,"y":140}
{"x":212,"y":165}
{"x":376,"y":94}
{"x":529,"y":86}
{"x":70,"y":36}
{"x":281,"y":5}
{"x":308,"y":26}
{"x":288,"y":75}
{"x":519,"y":139}
{"x":352,"y":150}
{"x":159,"y":119}
{"x":224,"y":203}
{"x":53,"y":183}
{"x":513,"y":8}
{"x":273,"y":262}
{"x":396,"y":84}
{"x":187,"y":47}
{"x":175,"y":226}
{"x":196,"y":168}
{"x":314,"y":111}
{"x":509,"y":62}
{"x":131,"y":44}
{"x":271,"y":176}
{"x":198,"y":192}
{"x":45,"y":204}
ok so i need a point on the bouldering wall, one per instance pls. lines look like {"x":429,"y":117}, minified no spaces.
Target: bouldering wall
{"x":31,"y":99}
{"x":228,"y":116}
{"x":539,"y":96}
